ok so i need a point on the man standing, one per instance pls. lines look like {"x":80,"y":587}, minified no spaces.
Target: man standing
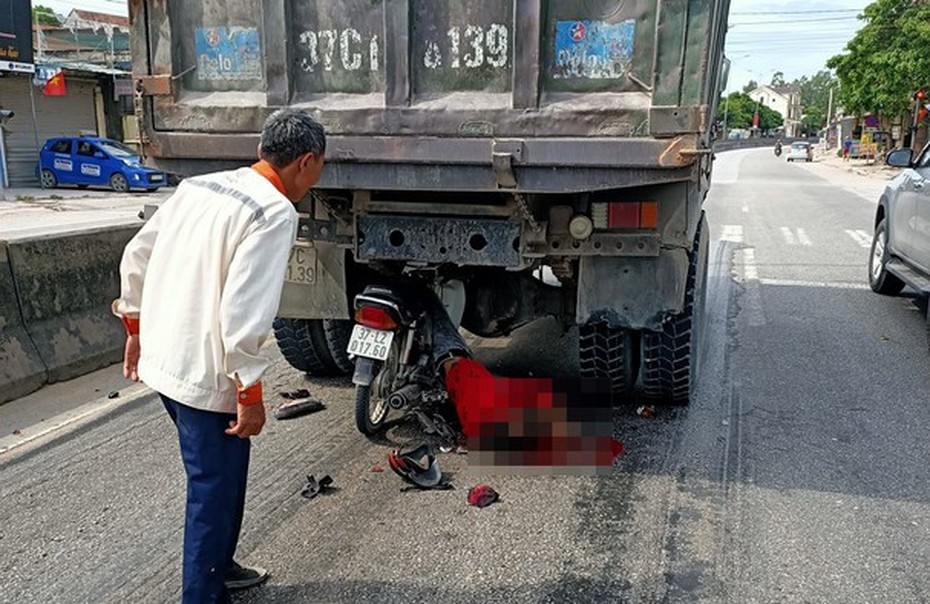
{"x":201,"y":283}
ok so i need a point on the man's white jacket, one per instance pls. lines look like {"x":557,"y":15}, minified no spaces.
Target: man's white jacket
{"x":204,"y":276}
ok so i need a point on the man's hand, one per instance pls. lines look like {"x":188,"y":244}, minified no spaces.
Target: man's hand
{"x":131,"y":358}
{"x":249,"y":422}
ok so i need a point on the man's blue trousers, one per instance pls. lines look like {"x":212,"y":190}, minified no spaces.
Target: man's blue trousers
{"x":217,"y":467}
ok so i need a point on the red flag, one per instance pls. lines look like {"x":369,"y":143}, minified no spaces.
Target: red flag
{"x":55,"y":86}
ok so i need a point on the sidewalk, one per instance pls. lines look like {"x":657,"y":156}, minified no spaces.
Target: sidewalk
{"x":875,"y":169}
{"x":34,"y":211}
{"x":857,"y":176}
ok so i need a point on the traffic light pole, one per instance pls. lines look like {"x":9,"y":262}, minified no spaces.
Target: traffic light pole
{"x":5,"y":114}
{"x":918,"y":103}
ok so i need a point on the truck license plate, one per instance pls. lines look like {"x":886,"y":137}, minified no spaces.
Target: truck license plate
{"x":370,"y":343}
{"x":301,"y":266}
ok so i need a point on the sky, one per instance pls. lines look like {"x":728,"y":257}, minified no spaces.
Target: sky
{"x":63,"y":7}
{"x":795,"y":37}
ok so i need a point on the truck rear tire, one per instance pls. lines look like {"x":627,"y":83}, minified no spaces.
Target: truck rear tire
{"x":311,"y":345}
{"x":337,"y":334}
{"x":607,"y":352}
{"x":670,"y":356}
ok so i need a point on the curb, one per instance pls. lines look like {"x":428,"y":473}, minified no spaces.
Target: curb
{"x":62,"y":287}
{"x":50,"y":430}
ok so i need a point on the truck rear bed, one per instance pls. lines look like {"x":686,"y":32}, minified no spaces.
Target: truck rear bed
{"x":548,"y":95}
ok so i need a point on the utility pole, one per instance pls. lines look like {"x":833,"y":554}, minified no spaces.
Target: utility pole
{"x":919,"y":97}
{"x":32,"y":94}
{"x":826,"y":139}
{"x":40,"y":55}
{"x":726,"y":110}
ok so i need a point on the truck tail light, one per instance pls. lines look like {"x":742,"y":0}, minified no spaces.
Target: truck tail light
{"x":625,"y":215}
{"x":375,"y":318}
{"x":649,"y":215}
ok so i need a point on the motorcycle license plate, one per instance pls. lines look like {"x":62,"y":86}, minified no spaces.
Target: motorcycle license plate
{"x":370,"y":343}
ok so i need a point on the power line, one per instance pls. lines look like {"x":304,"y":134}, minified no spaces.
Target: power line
{"x":791,"y":40}
{"x":793,"y":21}
{"x":799,"y":12}
{"x":90,"y":4}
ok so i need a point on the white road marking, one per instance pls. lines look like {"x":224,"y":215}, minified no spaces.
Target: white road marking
{"x":797,"y":237}
{"x":74,"y":417}
{"x":860,"y":237}
{"x":749,"y":264}
{"x":754,"y":311}
{"x":803,"y":239}
{"x":830,"y":284}
{"x":732,"y":232}
{"x":745,"y":208}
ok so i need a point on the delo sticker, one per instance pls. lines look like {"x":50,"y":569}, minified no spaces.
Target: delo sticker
{"x":90,"y":169}
{"x":233,"y":53}
{"x":593,"y":49}
{"x":64,"y":165}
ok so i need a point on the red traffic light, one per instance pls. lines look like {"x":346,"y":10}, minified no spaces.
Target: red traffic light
{"x":920,"y":95}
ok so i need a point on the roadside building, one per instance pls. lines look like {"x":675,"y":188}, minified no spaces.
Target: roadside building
{"x":87,"y":37}
{"x":91,"y":94}
{"x":786,"y":100}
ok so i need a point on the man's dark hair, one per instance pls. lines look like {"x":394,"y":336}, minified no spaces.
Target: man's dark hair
{"x":288,"y":134}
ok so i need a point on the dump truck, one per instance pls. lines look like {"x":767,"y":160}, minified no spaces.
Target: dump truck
{"x":551,"y":156}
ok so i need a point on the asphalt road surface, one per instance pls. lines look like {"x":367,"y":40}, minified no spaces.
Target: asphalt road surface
{"x":799,"y":474}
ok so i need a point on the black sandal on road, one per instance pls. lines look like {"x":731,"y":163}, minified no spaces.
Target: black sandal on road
{"x":298,"y":407}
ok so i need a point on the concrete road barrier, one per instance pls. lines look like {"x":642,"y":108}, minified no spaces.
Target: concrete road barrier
{"x":21,"y":369}
{"x":65,"y":284}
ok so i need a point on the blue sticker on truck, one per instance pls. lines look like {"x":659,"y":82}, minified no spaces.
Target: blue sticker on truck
{"x":593,"y":49}
{"x":228,"y":53}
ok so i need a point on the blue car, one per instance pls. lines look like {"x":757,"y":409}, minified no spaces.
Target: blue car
{"x":93,"y":161}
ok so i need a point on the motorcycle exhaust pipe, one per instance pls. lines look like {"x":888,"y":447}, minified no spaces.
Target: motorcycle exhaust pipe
{"x":404,"y":396}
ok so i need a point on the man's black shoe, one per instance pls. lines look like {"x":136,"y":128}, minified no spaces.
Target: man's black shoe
{"x":243,"y":577}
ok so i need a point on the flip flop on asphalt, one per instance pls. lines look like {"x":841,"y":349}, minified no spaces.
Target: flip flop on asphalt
{"x":315,"y":487}
{"x":298,"y":407}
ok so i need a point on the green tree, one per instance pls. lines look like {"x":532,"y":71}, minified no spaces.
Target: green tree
{"x":750,"y":86}
{"x":778,"y":79}
{"x":740,"y":109}
{"x":812,"y":120}
{"x":815,"y":98}
{"x":43,"y":15}
{"x":887,"y":60}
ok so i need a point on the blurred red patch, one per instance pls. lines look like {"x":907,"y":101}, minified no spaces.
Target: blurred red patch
{"x":482,"y":496}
